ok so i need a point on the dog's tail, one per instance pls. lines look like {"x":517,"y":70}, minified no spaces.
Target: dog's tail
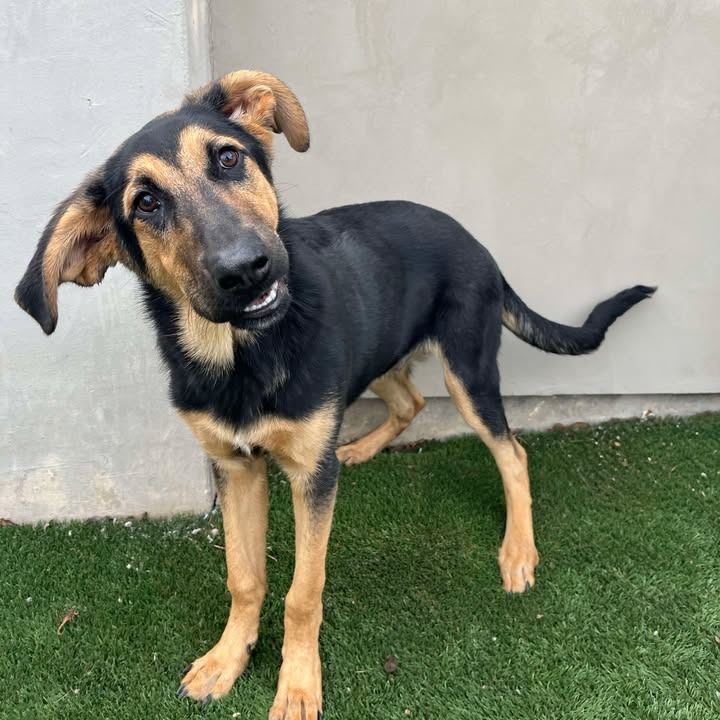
{"x":564,"y":339}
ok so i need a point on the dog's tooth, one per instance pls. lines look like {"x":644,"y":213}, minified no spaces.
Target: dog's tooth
{"x":271,"y":297}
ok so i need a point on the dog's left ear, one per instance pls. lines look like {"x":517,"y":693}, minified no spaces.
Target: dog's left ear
{"x":259,"y":101}
{"x":78,"y":245}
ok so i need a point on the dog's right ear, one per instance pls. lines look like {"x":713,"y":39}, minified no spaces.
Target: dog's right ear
{"x":78,"y":245}
{"x":259,"y":100}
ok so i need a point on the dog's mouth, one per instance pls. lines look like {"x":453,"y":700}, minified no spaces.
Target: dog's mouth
{"x":264,"y":310}
{"x":266,"y":302}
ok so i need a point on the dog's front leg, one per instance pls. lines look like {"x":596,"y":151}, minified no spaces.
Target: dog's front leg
{"x":242,"y":490}
{"x":299,"y":694}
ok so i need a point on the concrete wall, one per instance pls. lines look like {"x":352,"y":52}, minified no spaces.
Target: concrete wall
{"x":577,"y":140}
{"x":86,"y":428}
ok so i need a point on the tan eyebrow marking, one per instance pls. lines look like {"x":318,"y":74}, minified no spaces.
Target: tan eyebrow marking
{"x":192,"y":147}
{"x":162,"y":173}
{"x":177,"y":178}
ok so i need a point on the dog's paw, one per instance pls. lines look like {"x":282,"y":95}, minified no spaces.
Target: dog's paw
{"x":517,"y":565}
{"x":299,"y":694}
{"x":354,"y":453}
{"x":213,"y":675}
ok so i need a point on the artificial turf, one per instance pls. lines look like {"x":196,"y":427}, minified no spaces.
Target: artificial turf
{"x":623,"y":623}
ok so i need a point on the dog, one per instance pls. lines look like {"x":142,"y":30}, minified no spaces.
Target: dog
{"x":271,"y":326}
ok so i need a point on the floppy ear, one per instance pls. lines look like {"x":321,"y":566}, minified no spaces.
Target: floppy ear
{"x":78,"y":245}
{"x":258,"y":99}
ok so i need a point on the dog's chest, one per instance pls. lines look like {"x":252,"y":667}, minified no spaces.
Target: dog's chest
{"x":298,"y":445}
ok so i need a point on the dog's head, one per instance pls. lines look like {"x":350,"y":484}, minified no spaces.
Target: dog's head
{"x":188,"y":204}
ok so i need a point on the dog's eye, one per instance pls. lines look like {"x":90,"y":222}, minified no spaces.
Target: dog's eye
{"x":228,"y":157}
{"x":147,"y":203}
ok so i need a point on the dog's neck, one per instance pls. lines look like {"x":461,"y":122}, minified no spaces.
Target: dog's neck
{"x":206,"y":359}
{"x":210,"y":344}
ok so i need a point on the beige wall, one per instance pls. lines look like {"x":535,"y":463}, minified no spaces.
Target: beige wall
{"x":579,"y":141}
{"x":86,"y":427}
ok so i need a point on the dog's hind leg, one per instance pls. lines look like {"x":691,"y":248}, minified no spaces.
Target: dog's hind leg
{"x":403,"y":401}
{"x":473,"y":381}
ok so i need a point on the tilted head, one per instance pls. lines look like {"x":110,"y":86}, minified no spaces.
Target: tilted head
{"x":188,"y":204}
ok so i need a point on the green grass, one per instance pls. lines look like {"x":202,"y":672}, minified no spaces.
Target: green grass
{"x":624,"y":621}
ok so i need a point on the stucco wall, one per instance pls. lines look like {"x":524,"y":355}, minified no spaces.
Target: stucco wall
{"x":86,"y":428}
{"x":577,"y":140}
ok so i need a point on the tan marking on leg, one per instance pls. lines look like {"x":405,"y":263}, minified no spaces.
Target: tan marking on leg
{"x":518,"y":556}
{"x":299,"y":446}
{"x":299,"y":693}
{"x":403,"y":401}
{"x":242,"y":489}
{"x":300,"y":453}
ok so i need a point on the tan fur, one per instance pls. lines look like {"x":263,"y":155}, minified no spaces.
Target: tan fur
{"x":172,"y":256}
{"x":208,"y":343}
{"x":509,"y":320}
{"x":518,"y":556}
{"x":242,"y":489}
{"x":254,"y":199}
{"x":403,"y":401}
{"x":248,"y":103}
{"x":81,"y":249}
{"x":300,"y":683}
{"x":298,"y":445}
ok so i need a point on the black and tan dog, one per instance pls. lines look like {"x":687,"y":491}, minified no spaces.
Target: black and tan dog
{"x":272,"y":326}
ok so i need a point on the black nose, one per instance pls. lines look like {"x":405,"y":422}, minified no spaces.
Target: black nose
{"x":241,"y":275}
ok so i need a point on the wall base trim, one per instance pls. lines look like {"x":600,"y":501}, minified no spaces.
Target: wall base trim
{"x":441,"y":420}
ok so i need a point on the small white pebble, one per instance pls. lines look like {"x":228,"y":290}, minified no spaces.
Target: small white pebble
{"x":28,"y":600}
{"x":214,"y":532}
{"x":196,"y":531}
{"x":119,"y":600}
{"x":655,"y":633}
{"x":128,"y":523}
{"x":129,"y":566}
{"x":494,"y":639}
{"x":69,"y":533}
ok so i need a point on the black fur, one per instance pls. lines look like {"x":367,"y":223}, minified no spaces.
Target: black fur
{"x":563,"y":339}
{"x":368,"y":284}
{"x":326,"y":304}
